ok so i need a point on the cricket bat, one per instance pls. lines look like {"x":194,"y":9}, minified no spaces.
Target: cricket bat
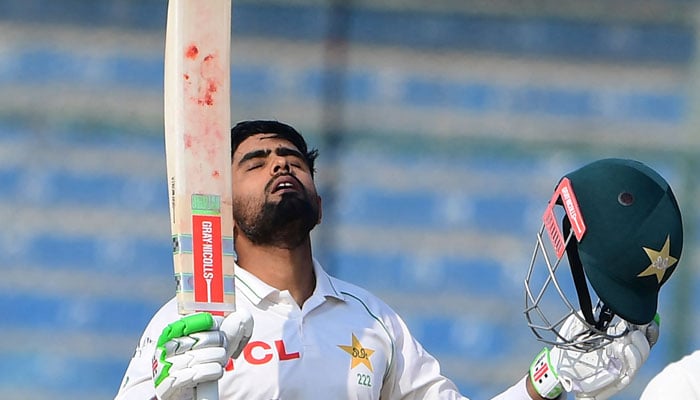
{"x":198,"y":157}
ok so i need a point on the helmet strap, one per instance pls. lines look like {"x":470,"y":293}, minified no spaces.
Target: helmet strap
{"x":584,"y":298}
{"x":603,"y":312}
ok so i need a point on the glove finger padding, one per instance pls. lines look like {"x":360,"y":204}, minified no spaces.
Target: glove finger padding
{"x":194,"y":341}
{"x":183,"y":380}
{"x":650,"y":330}
{"x":581,"y":372}
{"x":194,"y":367}
{"x":197,"y":357}
{"x":577,"y":369}
{"x":237,"y":328}
{"x":195,"y":349}
{"x":601,"y":373}
{"x":627,"y":354}
{"x":632,"y":352}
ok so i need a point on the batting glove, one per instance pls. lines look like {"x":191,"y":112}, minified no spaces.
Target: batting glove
{"x":598,"y":374}
{"x":196,"y":349}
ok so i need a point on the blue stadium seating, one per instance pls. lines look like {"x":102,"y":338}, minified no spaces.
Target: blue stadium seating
{"x":357,"y":85}
{"x":370,"y":204}
{"x":78,"y":377}
{"x":533,"y":36}
{"x":9,"y":182}
{"x":476,"y":338}
{"x":43,"y":66}
{"x":475,"y":96}
{"x":78,"y":313}
{"x":392,"y":272}
{"x":87,"y":189}
{"x":138,"y":71}
{"x":256,"y":81}
{"x":61,"y":251}
{"x":132,"y":71}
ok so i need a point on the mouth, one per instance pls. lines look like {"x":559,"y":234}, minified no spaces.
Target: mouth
{"x":285,"y":183}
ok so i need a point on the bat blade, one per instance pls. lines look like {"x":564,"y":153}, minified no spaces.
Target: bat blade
{"x":197,"y":144}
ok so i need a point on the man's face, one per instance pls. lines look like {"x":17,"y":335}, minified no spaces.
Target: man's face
{"x":274,"y":196}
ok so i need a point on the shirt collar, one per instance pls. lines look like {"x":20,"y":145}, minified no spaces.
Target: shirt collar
{"x":256,"y":290}
{"x":324,"y":283}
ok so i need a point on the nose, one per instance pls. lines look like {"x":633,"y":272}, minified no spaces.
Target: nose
{"x":280,"y":165}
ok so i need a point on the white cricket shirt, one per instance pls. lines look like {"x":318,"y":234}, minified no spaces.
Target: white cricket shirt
{"x":679,"y":380}
{"x":343,"y":343}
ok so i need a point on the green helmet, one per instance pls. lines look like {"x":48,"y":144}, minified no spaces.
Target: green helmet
{"x":622,"y":234}
{"x":634,"y":234}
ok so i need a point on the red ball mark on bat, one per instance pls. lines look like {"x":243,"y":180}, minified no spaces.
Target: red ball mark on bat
{"x":192,"y":52}
{"x":186,"y":76}
{"x":208,"y":98}
{"x":188,"y":141}
{"x":215,"y":174}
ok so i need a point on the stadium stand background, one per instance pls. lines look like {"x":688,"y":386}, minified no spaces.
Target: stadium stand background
{"x":442,"y":128}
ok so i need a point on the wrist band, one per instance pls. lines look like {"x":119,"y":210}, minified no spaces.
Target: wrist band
{"x":543,"y":377}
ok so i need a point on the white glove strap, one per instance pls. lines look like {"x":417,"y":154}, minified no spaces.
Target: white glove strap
{"x":544,"y":377}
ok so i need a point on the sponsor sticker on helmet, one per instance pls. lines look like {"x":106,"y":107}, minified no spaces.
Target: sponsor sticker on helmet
{"x":564,"y":195}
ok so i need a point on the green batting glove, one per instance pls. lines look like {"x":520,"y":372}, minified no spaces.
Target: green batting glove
{"x":183,"y":327}
{"x":196,"y":348}
{"x":189,"y":351}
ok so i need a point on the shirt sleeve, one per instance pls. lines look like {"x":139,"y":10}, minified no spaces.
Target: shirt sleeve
{"x":677,"y":381}
{"x":414,"y":373}
{"x":137,"y":383}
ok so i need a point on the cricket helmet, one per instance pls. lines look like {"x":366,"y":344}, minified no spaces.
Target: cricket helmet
{"x":619,"y":225}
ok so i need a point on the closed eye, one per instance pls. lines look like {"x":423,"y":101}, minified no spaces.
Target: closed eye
{"x":254,"y":157}
{"x":296,"y":159}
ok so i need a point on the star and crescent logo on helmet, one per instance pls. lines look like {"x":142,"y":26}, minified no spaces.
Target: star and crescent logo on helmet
{"x":661,"y":260}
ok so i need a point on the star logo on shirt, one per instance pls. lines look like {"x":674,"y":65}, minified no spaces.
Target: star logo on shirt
{"x":360,"y":355}
{"x":661,"y":260}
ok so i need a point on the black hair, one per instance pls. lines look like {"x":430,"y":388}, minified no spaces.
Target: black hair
{"x":245,"y":129}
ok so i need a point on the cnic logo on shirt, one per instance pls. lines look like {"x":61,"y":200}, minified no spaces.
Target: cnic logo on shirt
{"x":259,"y":352}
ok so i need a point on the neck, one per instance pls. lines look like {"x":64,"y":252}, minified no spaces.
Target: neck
{"x":281,"y":268}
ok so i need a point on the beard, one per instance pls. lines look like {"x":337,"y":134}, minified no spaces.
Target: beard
{"x":284,"y":224}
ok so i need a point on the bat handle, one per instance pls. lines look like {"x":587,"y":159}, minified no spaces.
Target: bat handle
{"x":207,"y":391}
